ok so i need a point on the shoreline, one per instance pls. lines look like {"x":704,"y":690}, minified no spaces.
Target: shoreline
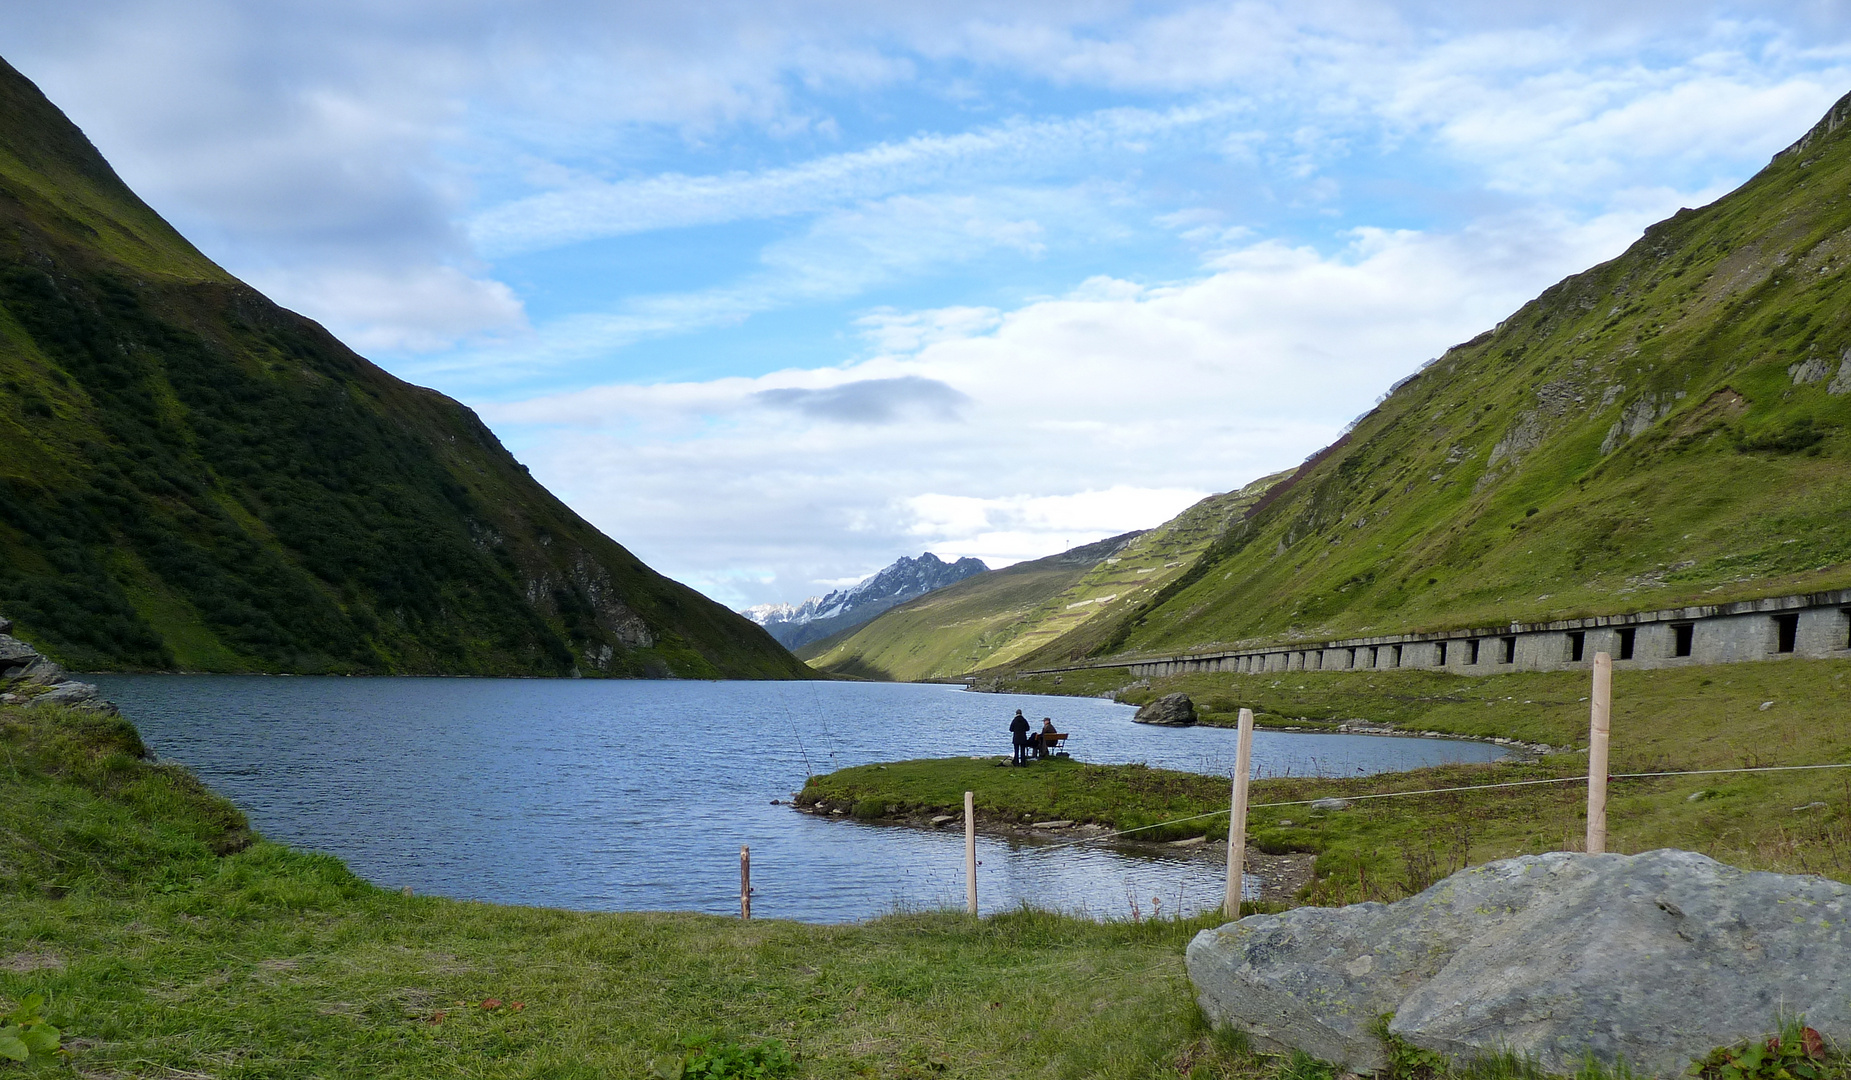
{"x":1281,"y":875}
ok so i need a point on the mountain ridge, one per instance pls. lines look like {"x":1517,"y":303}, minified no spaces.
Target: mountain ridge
{"x":192,"y":477}
{"x":990,"y":622}
{"x":1669,"y":427}
{"x":906,"y":578}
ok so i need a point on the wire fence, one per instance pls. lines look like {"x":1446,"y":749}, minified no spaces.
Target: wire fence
{"x":1097,"y":837}
{"x":1597,"y":778}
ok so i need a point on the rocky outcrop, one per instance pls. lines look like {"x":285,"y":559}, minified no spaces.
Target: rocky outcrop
{"x":27,"y":678}
{"x":1842,"y":384}
{"x":1653,"y":959}
{"x":1170,"y":710}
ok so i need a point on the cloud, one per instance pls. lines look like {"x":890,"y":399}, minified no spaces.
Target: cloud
{"x":908,"y":331}
{"x":1079,"y":416}
{"x":869,"y":401}
{"x":1018,"y":149}
{"x":1053,"y":268}
{"x":839,"y":255}
{"x":416,"y":309}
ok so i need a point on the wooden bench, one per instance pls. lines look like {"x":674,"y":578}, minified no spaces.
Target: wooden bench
{"x":1047,"y":741}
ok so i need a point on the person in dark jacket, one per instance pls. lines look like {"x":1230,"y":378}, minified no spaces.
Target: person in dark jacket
{"x":1018,"y":731}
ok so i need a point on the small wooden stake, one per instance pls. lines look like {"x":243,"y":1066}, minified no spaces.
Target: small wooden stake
{"x":745,"y":882}
{"x":1599,"y":732}
{"x":1237,"y":819}
{"x":970,"y":851}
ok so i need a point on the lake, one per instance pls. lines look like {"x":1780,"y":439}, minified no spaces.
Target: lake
{"x":636,"y":795}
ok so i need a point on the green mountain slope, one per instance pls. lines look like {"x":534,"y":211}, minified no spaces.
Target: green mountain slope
{"x":952,"y":630}
{"x":991,"y":619}
{"x":191,"y":476}
{"x":1670,"y":427}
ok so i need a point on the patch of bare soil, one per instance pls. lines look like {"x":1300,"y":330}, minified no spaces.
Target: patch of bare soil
{"x":21,"y":963}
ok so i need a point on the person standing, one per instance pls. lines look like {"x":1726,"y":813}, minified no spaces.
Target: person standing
{"x":1018,"y":731}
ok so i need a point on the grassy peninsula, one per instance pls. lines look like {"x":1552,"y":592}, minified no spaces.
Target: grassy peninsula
{"x":1739,"y":715}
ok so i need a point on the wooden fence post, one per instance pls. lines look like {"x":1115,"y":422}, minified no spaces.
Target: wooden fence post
{"x":970,"y":851}
{"x":1237,"y":817}
{"x":1599,"y":733}
{"x":745,"y":882}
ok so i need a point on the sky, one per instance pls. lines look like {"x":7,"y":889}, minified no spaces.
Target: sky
{"x":775,"y":292}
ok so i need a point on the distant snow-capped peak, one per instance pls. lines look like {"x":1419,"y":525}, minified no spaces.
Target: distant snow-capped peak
{"x":905,"y":579}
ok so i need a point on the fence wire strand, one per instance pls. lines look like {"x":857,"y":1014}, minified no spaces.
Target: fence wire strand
{"x":1435,"y":791}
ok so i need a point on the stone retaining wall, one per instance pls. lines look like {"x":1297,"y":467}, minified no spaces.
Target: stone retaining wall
{"x":1808,"y":625}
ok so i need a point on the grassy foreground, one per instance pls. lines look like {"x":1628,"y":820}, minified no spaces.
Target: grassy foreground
{"x":170,"y":942}
{"x":1675,"y":719}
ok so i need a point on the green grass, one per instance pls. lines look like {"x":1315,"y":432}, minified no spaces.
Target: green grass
{"x":1703,"y":717}
{"x":1675,"y":719}
{"x":168,"y":941}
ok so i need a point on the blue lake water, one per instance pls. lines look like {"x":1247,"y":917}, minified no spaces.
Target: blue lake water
{"x":630,"y":796}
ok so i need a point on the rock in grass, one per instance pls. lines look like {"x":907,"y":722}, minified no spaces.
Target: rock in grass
{"x":1652,"y":958}
{"x":1170,"y":710}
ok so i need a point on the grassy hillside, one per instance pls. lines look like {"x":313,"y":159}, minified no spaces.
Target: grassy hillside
{"x":193,"y":477}
{"x":1670,"y":427}
{"x":956,"y":629}
{"x":992,"y":619}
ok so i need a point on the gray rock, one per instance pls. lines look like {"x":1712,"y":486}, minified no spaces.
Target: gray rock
{"x":67,"y":693}
{"x":1842,"y":384}
{"x":1652,"y":958}
{"x":1170,"y":710}
{"x":41,"y":672}
{"x":1331,"y":804}
{"x":22,"y":668}
{"x":1811,"y":370}
{"x":15,"y":651}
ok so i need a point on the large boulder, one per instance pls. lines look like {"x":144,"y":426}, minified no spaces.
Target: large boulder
{"x":1653,"y":959}
{"x":1170,"y":710}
